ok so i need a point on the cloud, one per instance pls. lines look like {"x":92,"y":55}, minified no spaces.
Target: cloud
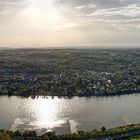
{"x":83,"y":9}
{"x":120,"y":14}
{"x":90,"y":21}
{"x":99,"y":3}
{"x":10,"y":3}
{"x":132,"y":11}
{"x":108,"y":9}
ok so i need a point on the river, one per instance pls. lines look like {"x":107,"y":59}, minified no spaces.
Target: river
{"x":68,"y":115}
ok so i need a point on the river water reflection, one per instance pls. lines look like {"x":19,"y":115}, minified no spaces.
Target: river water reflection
{"x":68,"y":115}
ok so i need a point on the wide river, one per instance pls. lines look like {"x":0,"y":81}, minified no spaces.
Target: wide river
{"x":68,"y":115}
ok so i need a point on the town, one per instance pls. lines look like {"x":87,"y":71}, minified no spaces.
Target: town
{"x":69,"y":72}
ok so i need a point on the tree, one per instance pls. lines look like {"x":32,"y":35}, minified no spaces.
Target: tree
{"x":29,"y":134}
{"x":4,"y":135}
{"x":103,"y":129}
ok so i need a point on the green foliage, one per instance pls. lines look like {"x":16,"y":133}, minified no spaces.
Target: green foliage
{"x":4,"y":135}
{"x":135,"y":138}
{"x":29,"y":134}
{"x":103,"y":129}
{"x":122,"y":131}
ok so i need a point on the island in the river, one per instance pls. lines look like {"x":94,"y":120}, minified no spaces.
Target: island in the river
{"x":69,"y":72}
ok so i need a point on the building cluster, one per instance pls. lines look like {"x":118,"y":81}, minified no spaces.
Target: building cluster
{"x":62,"y":83}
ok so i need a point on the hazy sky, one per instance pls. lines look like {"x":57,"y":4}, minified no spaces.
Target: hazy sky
{"x":70,"y":22}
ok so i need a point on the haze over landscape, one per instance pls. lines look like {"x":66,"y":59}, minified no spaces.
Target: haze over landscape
{"x":47,"y":23}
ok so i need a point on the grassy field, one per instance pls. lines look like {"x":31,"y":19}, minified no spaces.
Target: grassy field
{"x":136,"y":138}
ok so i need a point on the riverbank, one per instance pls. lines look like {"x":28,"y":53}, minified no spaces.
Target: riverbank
{"x":128,"y":92}
{"x":123,"y":132}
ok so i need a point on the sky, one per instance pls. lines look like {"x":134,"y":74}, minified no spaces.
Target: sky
{"x":70,"y":23}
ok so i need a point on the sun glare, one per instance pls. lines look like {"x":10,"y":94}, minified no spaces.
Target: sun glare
{"x":46,"y":112}
{"x":42,"y":12}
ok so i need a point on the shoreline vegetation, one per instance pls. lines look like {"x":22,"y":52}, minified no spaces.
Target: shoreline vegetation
{"x":127,"y":132}
{"x":69,"y":72}
{"x":70,"y":96}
